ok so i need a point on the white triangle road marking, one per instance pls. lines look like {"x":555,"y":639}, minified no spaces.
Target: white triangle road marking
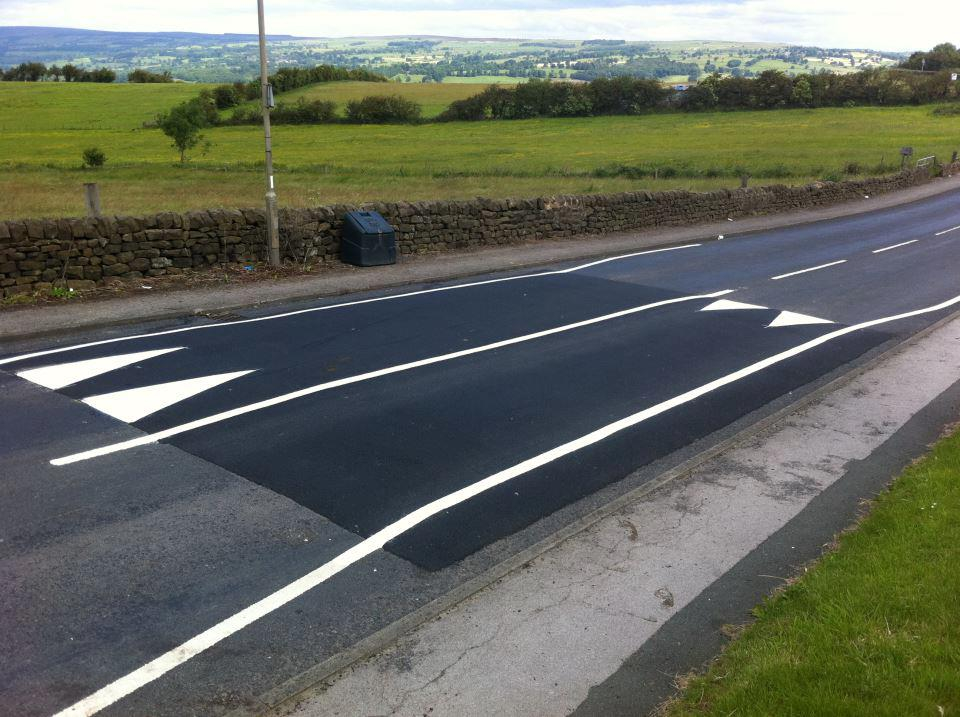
{"x":66,"y":374}
{"x":727,"y":305}
{"x":135,"y":403}
{"x":789,"y":318}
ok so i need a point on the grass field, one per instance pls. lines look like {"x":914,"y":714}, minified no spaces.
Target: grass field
{"x":873,"y":630}
{"x":433,"y":97}
{"x":70,"y":107}
{"x":41,"y":144}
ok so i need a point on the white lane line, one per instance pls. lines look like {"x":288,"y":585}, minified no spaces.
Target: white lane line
{"x":122,"y":687}
{"x":259,"y":405}
{"x":804,"y":271}
{"x":946,"y":231}
{"x":67,"y":374}
{"x":895,"y":246}
{"x":359,"y":302}
{"x":133,"y":404}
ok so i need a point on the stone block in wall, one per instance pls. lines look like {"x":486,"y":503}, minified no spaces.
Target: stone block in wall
{"x":34,"y":229}
{"x":18,"y":231}
{"x":115,"y":269}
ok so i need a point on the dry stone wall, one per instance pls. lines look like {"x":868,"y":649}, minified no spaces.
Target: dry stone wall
{"x":37,"y":254}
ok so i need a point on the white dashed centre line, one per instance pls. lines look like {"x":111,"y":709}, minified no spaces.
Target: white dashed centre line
{"x":895,"y":246}
{"x":804,"y":271}
{"x":947,"y":231}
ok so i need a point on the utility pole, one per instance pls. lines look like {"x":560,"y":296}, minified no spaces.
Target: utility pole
{"x":266,"y":100}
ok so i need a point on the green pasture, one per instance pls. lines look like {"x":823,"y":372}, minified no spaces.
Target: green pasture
{"x":433,"y":97}
{"x":42,"y":141}
{"x":71,"y":107}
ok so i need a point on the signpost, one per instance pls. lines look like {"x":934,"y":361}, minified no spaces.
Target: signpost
{"x":904,"y":153}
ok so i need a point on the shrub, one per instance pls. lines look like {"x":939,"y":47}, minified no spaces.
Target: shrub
{"x":383,"y":109}
{"x":947,"y":111}
{"x":145,"y":76}
{"x":226,"y":96}
{"x":93,"y":157}
{"x":303,"y":112}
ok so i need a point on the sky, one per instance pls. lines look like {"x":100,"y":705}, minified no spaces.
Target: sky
{"x":875,"y":24}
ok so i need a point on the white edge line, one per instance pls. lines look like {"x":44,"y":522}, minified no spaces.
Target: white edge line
{"x":405,"y":295}
{"x":804,"y":271}
{"x":946,"y":231}
{"x":895,"y":246}
{"x":300,"y":393}
{"x":122,"y":687}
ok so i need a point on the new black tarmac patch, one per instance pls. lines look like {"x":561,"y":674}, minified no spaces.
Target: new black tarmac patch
{"x":367,"y":454}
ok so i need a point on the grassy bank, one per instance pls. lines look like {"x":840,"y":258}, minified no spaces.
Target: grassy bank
{"x":42,"y":140}
{"x":873,"y":629}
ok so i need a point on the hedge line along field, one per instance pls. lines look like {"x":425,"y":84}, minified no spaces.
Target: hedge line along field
{"x":45,"y":127}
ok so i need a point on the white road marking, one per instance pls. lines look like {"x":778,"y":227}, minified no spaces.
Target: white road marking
{"x":122,"y":687}
{"x":134,"y":403}
{"x":946,"y":231}
{"x":259,"y":405}
{"x":790,"y":318}
{"x":359,"y":302}
{"x":727,"y":305}
{"x":804,"y":271}
{"x":65,"y":374}
{"x":895,"y":246}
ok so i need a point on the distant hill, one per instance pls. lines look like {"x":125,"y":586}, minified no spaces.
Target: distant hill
{"x":123,"y":51}
{"x":46,"y":44}
{"x":203,"y":57}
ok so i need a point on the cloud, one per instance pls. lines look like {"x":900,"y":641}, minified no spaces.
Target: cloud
{"x":828,"y":23}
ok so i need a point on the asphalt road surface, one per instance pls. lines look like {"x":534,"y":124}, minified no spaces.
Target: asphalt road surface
{"x":191,"y":516}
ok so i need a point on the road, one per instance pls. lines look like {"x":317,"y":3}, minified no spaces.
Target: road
{"x":192,"y":516}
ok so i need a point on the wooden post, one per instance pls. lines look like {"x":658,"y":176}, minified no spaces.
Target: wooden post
{"x":744,"y":180}
{"x":92,"y":197}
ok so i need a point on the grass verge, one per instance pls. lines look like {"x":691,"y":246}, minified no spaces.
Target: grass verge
{"x":872,"y":629}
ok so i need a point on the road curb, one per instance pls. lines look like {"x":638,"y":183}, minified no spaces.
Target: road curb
{"x":280,"y":699}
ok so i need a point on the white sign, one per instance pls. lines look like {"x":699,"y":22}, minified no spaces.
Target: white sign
{"x":954,"y":77}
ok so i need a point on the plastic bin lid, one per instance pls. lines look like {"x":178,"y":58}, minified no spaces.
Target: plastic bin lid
{"x":371,"y":222}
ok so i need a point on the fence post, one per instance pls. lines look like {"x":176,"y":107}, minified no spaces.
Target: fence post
{"x":92,"y":198}
{"x":744,"y":180}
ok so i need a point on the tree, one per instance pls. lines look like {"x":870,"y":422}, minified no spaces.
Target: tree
{"x":699,"y":97}
{"x":71,"y":73}
{"x":802,"y":95}
{"x":183,"y":124}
